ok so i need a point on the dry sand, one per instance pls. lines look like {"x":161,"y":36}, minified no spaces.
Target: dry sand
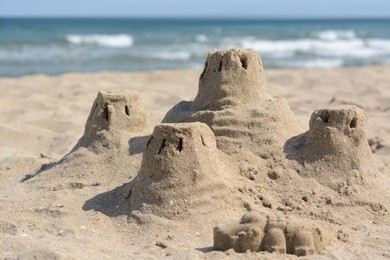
{"x":159,"y":192}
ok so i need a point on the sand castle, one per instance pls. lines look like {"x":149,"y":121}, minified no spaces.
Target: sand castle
{"x":197,"y":161}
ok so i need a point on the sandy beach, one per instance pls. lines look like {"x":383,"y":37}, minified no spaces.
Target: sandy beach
{"x":54,"y":208}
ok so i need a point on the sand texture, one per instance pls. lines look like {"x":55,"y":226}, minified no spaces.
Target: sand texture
{"x":234,"y":162}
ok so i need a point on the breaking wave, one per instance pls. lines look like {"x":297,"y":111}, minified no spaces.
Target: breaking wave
{"x":349,"y":48}
{"x":114,"y":41}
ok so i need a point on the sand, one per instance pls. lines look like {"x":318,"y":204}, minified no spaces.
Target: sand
{"x":75,"y":182}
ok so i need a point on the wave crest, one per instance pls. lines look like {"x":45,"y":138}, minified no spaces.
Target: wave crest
{"x":114,"y":41}
{"x":347,"y":48}
{"x":168,"y":55}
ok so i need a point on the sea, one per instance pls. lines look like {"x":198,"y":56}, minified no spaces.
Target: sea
{"x":59,"y":45}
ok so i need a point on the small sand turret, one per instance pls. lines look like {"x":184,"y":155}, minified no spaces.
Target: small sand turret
{"x":114,"y":116}
{"x":338,"y":134}
{"x":102,"y":153}
{"x":335,"y":148}
{"x":230,"y":78}
{"x":180,"y":173}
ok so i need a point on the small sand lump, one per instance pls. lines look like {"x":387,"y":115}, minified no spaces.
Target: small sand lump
{"x":275,"y":234}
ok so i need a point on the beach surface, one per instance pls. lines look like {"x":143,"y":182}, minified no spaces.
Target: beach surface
{"x":49,"y":212}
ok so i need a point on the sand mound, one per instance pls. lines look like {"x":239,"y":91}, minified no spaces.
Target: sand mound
{"x":181,"y":174}
{"x":232,"y":101}
{"x":272,"y":233}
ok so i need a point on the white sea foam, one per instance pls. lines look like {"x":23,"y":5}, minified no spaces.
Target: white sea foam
{"x":332,"y":35}
{"x":115,"y":41}
{"x":379,"y":44}
{"x":168,"y":55}
{"x":348,"y":48}
{"x":50,"y":53}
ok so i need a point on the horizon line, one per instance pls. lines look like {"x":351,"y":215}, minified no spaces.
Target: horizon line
{"x":190,"y":18}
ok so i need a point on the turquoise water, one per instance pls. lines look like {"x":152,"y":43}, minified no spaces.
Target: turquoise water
{"x":55,"y":46}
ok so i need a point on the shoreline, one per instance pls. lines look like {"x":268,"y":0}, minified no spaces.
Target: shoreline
{"x":267,"y":70}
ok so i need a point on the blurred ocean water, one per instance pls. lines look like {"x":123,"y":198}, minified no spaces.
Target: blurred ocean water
{"x":55,"y":46}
